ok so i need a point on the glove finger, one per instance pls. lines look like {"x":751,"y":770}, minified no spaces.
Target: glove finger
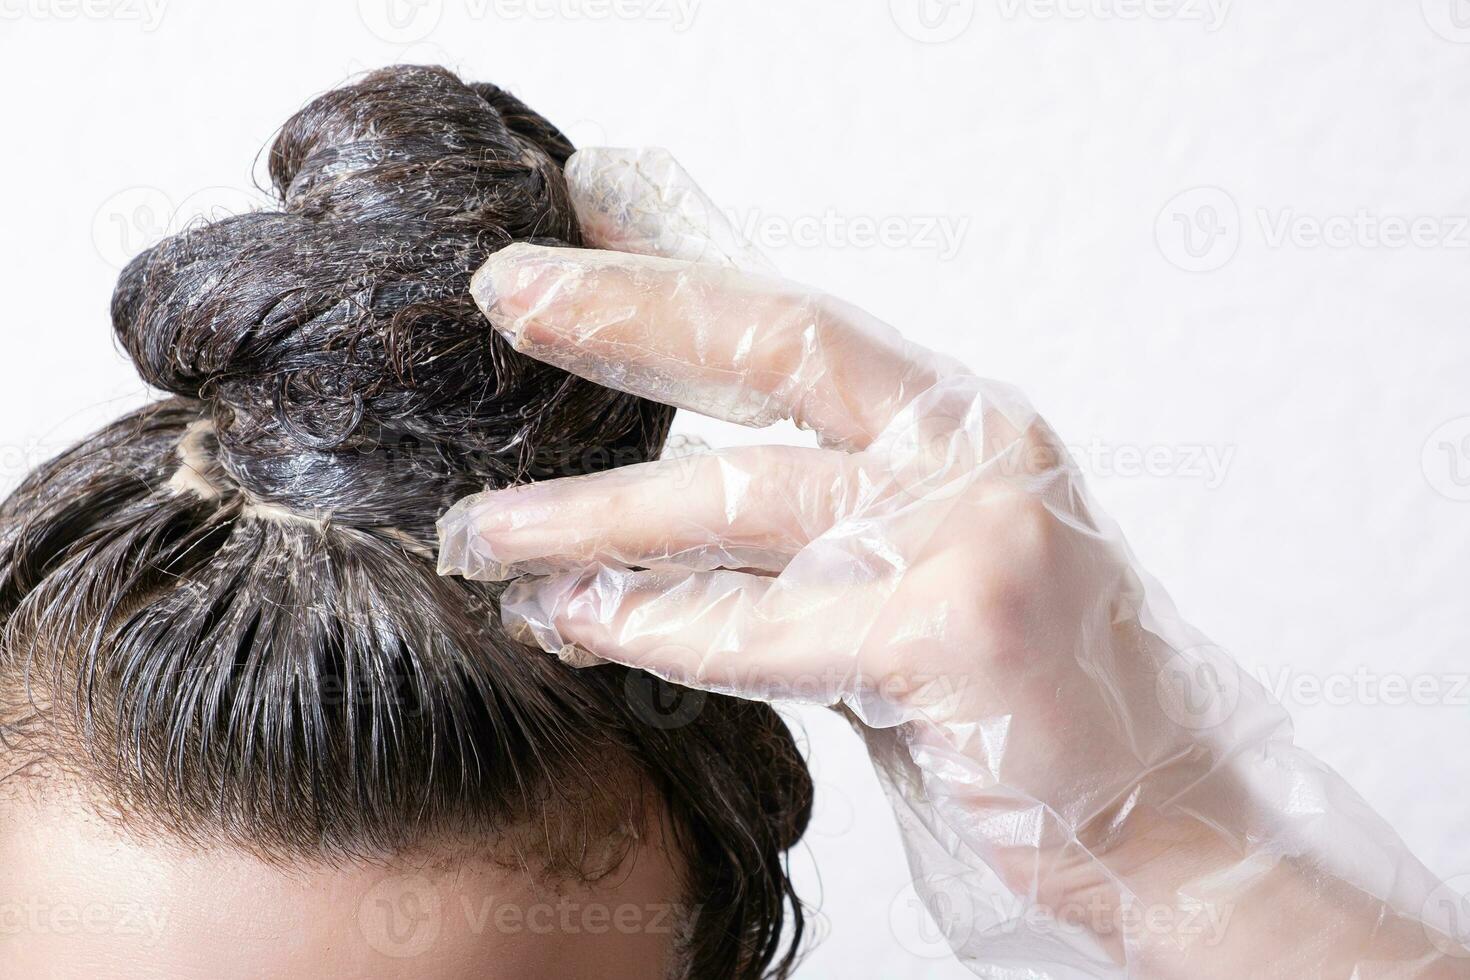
{"x":736,"y":346}
{"x":642,"y":201}
{"x":752,"y":507}
{"x":724,"y":631}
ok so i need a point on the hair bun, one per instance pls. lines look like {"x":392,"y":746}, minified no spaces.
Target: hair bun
{"x":403,"y":142}
{"x":334,"y":341}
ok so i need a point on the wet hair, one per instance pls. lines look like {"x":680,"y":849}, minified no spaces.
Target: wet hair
{"x":221,"y":613}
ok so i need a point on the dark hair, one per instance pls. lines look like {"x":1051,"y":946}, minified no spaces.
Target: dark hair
{"x":222,"y":611}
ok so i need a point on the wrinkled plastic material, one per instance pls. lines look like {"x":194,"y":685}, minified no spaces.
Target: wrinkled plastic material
{"x":1086,"y":786}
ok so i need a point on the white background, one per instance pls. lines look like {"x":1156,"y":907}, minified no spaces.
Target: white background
{"x":1262,"y":410}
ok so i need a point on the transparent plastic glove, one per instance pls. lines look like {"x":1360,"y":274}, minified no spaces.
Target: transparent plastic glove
{"x":1085,"y":785}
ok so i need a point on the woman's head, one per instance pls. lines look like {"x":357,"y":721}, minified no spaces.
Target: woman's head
{"x":223,"y":633}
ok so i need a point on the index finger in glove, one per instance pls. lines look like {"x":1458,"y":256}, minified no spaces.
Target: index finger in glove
{"x":736,"y":346}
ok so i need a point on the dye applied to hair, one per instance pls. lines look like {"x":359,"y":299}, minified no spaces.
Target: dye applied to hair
{"x":221,"y":613}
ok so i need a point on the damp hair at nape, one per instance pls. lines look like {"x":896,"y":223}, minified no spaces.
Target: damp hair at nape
{"x":220,"y":615}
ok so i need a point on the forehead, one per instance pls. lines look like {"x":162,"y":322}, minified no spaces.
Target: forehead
{"x":82,"y":898}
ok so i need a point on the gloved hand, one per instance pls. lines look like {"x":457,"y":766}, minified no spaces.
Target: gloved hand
{"x":1086,"y":786}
